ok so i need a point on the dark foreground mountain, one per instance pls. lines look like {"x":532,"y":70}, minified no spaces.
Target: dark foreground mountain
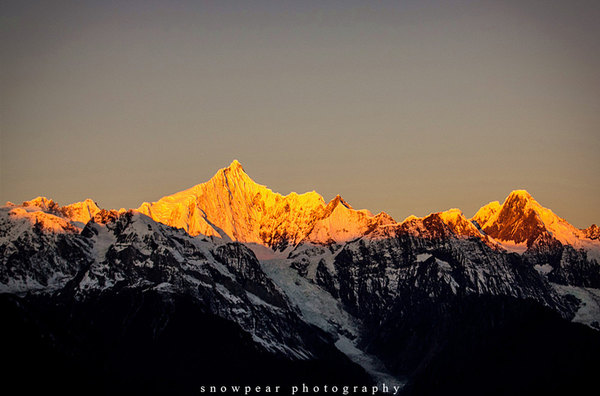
{"x":144,"y":343}
{"x":173,"y":297}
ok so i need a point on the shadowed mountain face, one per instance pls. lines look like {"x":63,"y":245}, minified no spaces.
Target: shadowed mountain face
{"x":489,"y":345}
{"x":146,"y":342}
{"x":171,"y":297}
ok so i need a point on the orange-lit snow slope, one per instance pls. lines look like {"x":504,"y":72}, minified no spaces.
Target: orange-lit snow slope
{"x":233,"y":206}
{"x":48,"y":216}
{"x":521,"y":221}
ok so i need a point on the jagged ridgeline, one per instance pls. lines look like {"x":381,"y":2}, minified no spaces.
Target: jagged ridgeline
{"x":230,"y":283}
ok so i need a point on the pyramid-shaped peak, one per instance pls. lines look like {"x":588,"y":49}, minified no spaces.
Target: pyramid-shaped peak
{"x":235,"y":165}
{"x":339,"y":200}
{"x":519,"y":201}
{"x":233,"y":172}
{"x":522,"y":219}
{"x":520,"y":195}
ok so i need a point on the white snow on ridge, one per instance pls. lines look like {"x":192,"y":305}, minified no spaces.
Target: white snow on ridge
{"x":512,"y":247}
{"x":444,"y":265}
{"x":543,"y":269}
{"x":371,"y":364}
{"x":321,"y":309}
{"x":589,"y":310}
{"x":316,"y":305}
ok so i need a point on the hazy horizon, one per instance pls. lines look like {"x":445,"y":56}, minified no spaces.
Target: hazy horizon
{"x":408,"y":107}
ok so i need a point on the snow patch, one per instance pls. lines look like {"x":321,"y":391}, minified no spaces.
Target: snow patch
{"x":543,"y":269}
{"x":513,"y":247}
{"x":444,"y":265}
{"x":318,"y":307}
{"x":372,"y":365}
{"x":589,"y":309}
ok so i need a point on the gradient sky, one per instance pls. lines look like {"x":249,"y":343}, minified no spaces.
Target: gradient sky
{"x":408,"y":107}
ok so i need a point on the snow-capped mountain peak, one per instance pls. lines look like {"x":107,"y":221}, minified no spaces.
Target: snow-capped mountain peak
{"x":235,"y":165}
{"x":592,"y":232}
{"x":521,"y":220}
{"x":40,"y":202}
{"x":232,"y":206}
{"x":47,"y":215}
{"x":486,"y":212}
{"x":80,"y":212}
{"x":308,"y":275}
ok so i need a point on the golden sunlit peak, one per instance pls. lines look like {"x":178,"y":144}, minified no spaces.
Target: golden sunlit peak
{"x":520,"y":194}
{"x":410,"y":218}
{"x":39,"y":202}
{"x":451,"y":215}
{"x":235,"y":165}
{"x":338,"y":199}
{"x":453,"y":212}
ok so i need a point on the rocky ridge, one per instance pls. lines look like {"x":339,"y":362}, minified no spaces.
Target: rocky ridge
{"x":336,"y":278}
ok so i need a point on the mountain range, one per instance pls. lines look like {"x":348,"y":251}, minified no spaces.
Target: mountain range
{"x":229,"y":282}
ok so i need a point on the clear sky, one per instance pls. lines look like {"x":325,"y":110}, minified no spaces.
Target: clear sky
{"x":407,"y":107}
